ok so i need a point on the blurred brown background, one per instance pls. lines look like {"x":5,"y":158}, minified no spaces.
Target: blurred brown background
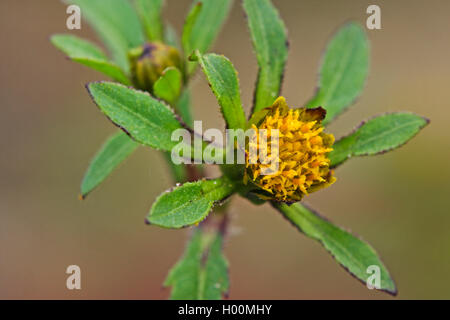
{"x":50,"y":129}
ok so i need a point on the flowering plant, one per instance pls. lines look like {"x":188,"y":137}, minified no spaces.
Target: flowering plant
{"x":150,"y":100}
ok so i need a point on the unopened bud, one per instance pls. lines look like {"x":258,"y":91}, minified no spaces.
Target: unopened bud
{"x":149,"y":61}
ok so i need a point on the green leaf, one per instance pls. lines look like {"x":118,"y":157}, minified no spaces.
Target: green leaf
{"x":269,"y":39}
{"x":202,"y":272}
{"x":168,"y":86}
{"x":191,"y":18}
{"x":149,"y":12}
{"x":202,"y":26}
{"x":116,"y":23}
{"x":147,"y":120}
{"x":343,"y":72}
{"x":116,"y":149}
{"x":349,"y":251}
{"x":342,"y":150}
{"x":88,"y":54}
{"x":183,"y":107}
{"x":189,"y":203}
{"x":378,"y":135}
{"x":224,"y":82}
{"x":171,"y":37}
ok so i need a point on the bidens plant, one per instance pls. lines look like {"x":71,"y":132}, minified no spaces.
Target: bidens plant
{"x":146,"y":56}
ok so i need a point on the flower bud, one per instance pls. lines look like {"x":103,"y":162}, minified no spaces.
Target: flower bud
{"x":149,"y":61}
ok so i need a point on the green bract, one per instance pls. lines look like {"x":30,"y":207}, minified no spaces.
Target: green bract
{"x":168,"y":86}
{"x":150,"y":119}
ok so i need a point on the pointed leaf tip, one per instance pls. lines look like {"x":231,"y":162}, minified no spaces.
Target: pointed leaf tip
{"x":343,"y":71}
{"x":377,"y":136}
{"x":352,"y":253}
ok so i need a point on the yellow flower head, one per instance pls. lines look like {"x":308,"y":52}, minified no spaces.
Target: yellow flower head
{"x":301,"y":155}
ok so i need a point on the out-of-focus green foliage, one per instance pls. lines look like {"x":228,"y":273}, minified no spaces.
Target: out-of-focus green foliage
{"x":116,"y":23}
{"x":202,"y":26}
{"x":202,"y":272}
{"x":90,"y":55}
{"x":149,"y":12}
